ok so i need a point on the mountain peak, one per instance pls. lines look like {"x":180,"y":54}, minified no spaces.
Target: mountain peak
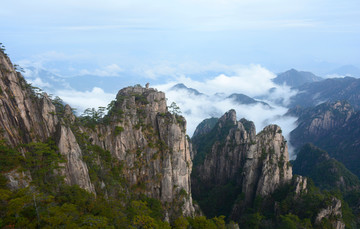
{"x":296,"y":78}
{"x":181,"y":86}
{"x":228,"y":116}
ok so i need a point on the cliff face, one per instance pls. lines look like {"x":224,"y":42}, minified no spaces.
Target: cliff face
{"x":152,"y":142}
{"x":267,"y":163}
{"x":26,"y":115}
{"x":148,"y":142}
{"x":232,"y":153}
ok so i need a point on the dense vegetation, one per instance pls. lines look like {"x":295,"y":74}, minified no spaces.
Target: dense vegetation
{"x":49,"y":203}
{"x":328,"y":174}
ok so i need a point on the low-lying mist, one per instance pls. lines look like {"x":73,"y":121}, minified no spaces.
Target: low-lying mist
{"x":254,"y":81}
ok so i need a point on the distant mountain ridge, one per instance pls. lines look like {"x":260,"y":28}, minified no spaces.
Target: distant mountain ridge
{"x":181,"y":86}
{"x":294,"y":78}
{"x":244,"y":99}
{"x":329,"y":90}
{"x":346,"y":70}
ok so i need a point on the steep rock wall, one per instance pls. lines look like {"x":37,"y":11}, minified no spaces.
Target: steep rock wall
{"x":153,"y":144}
{"x":27,"y":115}
{"x":232,"y":153}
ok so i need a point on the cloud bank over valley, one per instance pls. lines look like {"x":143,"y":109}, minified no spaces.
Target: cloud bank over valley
{"x":198,"y":99}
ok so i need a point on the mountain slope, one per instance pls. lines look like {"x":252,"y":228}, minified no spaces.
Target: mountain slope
{"x":181,"y":86}
{"x":329,"y":90}
{"x":294,"y":78}
{"x":326,"y":172}
{"x":332,"y":127}
{"x":244,"y":99}
{"x":205,"y":126}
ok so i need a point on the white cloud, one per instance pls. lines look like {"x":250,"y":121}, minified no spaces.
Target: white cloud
{"x":109,"y":70}
{"x":253,"y":80}
{"x":176,"y":69}
{"x":38,"y":82}
{"x":335,"y":76}
{"x":82,"y":100}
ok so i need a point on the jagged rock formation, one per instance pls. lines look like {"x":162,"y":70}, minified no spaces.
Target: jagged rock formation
{"x":241,"y":174}
{"x":232,"y":153}
{"x":332,"y":127}
{"x":152,"y":142}
{"x":26,"y":115}
{"x":148,"y":142}
{"x":333,"y":211}
{"x":300,"y":184}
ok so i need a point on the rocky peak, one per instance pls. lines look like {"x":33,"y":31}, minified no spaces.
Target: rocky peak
{"x":255,"y":164}
{"x":68,"y":112}
{"x":205,"y":126}
{"x":152,"y":143}
{"x":229,"y":116}
{"x":29,"y":115}
{"x":26,"y":114}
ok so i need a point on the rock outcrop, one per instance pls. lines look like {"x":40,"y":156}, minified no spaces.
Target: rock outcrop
{"x":232,"y":153}
{"x":333,"y":211}
{"x":29,"y":115}
{"x":152,"y":142}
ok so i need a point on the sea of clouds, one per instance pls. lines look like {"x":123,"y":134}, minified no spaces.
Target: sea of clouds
{"x":254,"y":81}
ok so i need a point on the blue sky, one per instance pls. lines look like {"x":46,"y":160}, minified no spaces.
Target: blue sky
{"x":153,"y":38}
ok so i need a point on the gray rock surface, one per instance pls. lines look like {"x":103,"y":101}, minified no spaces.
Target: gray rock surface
{"x":27,"y":115}
{"x":17,"y":180}
{"x":258,"y":164}
{"x":153,"y":144}
{"x":333,"y":211}
{"x":149,"y":141}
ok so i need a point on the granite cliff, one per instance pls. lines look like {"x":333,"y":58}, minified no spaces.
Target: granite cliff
{"x":232,"y":153}
{"x":244,"y":176}
{"x":146,"y":141}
